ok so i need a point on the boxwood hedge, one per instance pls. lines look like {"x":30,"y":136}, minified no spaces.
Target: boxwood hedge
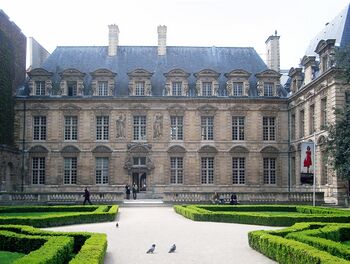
{"x":53,"y":247}
{"x":259,"y":214}
{"x":75,"y":215}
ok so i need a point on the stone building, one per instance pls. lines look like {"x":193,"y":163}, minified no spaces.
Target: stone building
{"x":180,"y":122}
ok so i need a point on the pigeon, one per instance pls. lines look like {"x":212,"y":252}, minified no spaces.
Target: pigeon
{"x":172,"y":249}
{"x":151,"y":250}
{"x":117,"y":225}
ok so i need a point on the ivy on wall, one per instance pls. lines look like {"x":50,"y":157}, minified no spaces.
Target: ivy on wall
{"x":7,"y":69}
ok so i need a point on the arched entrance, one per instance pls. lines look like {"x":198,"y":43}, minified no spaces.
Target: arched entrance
{"x":140,"y":178}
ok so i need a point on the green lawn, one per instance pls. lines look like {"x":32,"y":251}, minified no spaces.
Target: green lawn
{"x":37,"y":214}
{"x":9,"y":257}
{"x":347,"y":243}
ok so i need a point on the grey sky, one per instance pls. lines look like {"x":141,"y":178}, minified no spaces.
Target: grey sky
{"x":230,"y":23}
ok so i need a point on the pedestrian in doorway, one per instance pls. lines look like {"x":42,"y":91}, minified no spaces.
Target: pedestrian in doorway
{"x":127,"y":191}
{"x":134,"y":191}
{"x":86,"y":196}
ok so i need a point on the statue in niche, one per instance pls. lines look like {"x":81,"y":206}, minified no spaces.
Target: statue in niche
{"x":229,"y":88}
{"x":121,"y":126}
{"x":157,"y":126}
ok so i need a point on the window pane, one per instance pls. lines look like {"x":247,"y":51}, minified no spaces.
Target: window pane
{"x":38,"y":170}
{"x":207,"y":125}
{"x":237,"y":89}
{"x":102,"y":170}
{"x":206,"y":89}
{"x":176,"y":127}
{"x":176,"y":170}
{"x":177,"y":88}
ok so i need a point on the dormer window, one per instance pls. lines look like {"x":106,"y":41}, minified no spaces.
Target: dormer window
{"x":207,"y":83}
{"x":72,"y":88}
{"x":237,"y":83}
{"x":40,"y":88}
{"x":325,"y":50}
{"x":102,"y":88}
{"x":206,"y":88}
{"x":237,"y":88}
{"x":268,"y":89}
{"x":176,"y":83}
{"x":140,"y":88}
{"x":177,"y":88}
{"x":140,"y":83}
{"x":40,"y":83}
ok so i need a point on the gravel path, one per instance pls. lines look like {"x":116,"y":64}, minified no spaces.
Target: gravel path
{"x":197,"y":242}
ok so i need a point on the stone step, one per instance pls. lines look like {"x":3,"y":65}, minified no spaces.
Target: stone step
{"x":144,"y":203}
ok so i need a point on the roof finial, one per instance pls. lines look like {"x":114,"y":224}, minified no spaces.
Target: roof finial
{"x":275,"y":32}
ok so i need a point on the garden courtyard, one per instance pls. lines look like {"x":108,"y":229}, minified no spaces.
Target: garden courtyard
{"x":197,"y":242}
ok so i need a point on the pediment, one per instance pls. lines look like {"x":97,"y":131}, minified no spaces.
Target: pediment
{"x":176,"y":149}
{"x":72,"y":73}
{"x":103,"y":72}
{"x":238,"y":73}
{"x":70,"y":107}
{"x":238,"y":108}
{"x":307,"y":60}
{"x":102,"y":107}
{"x":102,"y":149}
{"x":323,"y":44}
{"x":139,"y":107}
{"x":268,"y":74}
{"x":39,"y":72}
{"x":140,"y":73}
{"x":269,"y":108}
{"x":139,"y":148}
{"x":208,"y":149}
{"x":38,"y":149}
{"x":207,"y":73}
{"x":70,"y":149}
{"x":269,"y":149}
{"x":176,"y":109}
{"x":177,"y":73}
{"x":207,"y":109}
{"x":39,"y":107}
{"x":294,"y":71}
{"x":238,"y":149}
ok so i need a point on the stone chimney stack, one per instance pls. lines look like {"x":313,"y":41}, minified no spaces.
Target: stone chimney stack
{"x":273,"y":52}
{"x":161,"y":40}
{"x":113,"y":38}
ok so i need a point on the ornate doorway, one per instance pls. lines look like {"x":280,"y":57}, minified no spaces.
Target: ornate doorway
{"x":140,"y":178}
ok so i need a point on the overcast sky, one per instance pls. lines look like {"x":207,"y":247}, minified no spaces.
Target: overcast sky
{"x":221,"y":23}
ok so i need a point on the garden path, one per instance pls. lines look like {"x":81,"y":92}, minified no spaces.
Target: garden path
{"x":197,"y":242}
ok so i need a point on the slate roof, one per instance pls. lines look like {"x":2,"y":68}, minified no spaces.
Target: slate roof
{"x":338,"y":29}
{"x":129,"y":58}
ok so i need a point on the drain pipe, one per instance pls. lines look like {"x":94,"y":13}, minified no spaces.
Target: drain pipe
{"x":23,"y":144}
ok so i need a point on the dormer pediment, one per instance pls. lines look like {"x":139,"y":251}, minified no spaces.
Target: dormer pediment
{"x":308,"y":60}
{"x":72,"y":73}
{"x":324,"y":44}
{"x":70,"y":107}
{"x":103,"y":72}
{"x":207,"y":73}
{"x":177,"y":73}
{"x":238,"y":73}
{"x":268,"y":74}
{"x":39,"y":72}
{"x":140,"y":73}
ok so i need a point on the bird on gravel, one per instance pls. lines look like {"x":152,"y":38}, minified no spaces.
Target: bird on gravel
{"x":172,"y":249}
{"x":151,"y":250}
{"x":117,"y":225}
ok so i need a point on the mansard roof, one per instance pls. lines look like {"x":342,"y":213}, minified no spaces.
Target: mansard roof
{"x":129,"y":58}
{"x":338,"y":29}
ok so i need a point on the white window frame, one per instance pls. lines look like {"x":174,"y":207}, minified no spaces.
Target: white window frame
{"x":207,"y":127}
{"x":269,"y":128}
{"x":268,"y":88}
{"x":207,"y":170}
{"x":102,"y":170}
{"x":39,"y":128}
{"x":237,"y":88}
{"x":140,"y":88}
{"x":38,"y":170}
{"x":70,"y":170}
{"x":70,"y":128}
{"x":176,"y":88}
{"x":238,"y":170}
{"x":176,"y":127}
{"x":238,"y":125}
{"x":102,"y":88}
{"x":39,"y":88}
{"x":269,"y":170}
{"x":102,"y":127}
{"x":207,"y":88}
{"x":176,"y":170}
{"x":139,"y":127}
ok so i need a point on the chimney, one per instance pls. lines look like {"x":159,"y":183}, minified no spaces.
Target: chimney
{"x":161,"y":40}
{"x":113,"y":37}
{"x":273,"y":52}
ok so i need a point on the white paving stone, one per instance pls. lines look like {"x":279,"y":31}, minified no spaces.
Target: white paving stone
{"x":197,"y":242}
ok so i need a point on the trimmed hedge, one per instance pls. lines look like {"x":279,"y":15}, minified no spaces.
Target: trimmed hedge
{"x":258,"y":214}
{"x":75,"y":215}
{"x":301,"y":243}
{"x":54,"y":247}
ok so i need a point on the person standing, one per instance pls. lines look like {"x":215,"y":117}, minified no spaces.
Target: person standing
{"x":86,"y":196}
{"x":127,"y":191}
{"x":134,"y":191}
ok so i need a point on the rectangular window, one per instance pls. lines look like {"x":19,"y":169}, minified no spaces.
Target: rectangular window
{"x":207,"y":125}
{"x":206,"y":89}
{"x":103,"y":88}
{"x":139,"y":127}
{"x":38,"y":170}
{"x":72,"y":88}
{"x":269,"y":129}
{"x":140,"y":88}
{"x":292,"y":132}
{"x":139,"y":161}
{"x":176,"y":127}
{"x":70,"y":170}
{"x":39,"y":128}
{"x":207,"y":170}
{"x":268,"y":89}
{"x":238,"y":128}
{"x":70,"y":128}
{"x":176,"y":170}
{"x":237,"y":89}
{"x":40,"y":88}
{"x":269,"y":171}
{"x":102,"y":168}
{"x":102,"y":127}
{"x":238,"y":170}
{"x":302,"y":123}
{"x":312,"y":119}
{"x":324,"y":112}
{"x":177,"y":88}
